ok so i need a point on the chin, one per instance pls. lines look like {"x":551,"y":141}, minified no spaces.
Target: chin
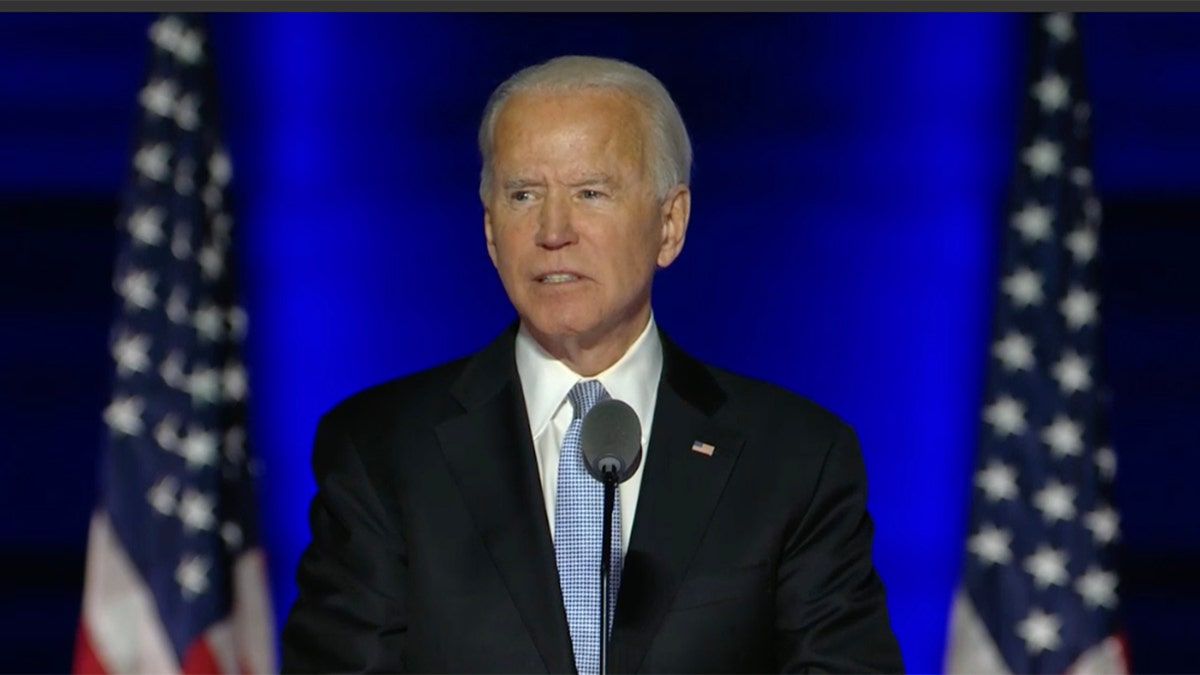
{"x":561,"y":324}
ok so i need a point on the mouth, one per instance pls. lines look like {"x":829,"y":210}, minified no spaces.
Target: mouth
{"x":552,"y":278}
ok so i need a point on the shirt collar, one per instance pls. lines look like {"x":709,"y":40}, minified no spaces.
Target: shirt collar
{"x":546,"y":381}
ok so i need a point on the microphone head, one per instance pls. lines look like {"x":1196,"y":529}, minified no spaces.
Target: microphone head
{"x":611,"y":437}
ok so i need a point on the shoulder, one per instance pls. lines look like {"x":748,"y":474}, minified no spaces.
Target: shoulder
{"x":786,"y":435}
{"x":759,"y":404}
{"x":398,"y":403}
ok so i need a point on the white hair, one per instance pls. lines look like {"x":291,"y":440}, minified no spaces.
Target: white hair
{"x":670,"y":156}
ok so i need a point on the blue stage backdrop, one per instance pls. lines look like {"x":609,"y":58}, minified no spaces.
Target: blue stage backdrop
{"x":850,"y":182}
{"x":850,"y":172}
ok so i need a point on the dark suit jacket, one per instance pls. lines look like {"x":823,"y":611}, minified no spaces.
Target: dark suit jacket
{"x":431,"y":550}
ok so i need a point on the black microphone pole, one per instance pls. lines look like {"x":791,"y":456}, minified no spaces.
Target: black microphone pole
{"x":610,"y":489}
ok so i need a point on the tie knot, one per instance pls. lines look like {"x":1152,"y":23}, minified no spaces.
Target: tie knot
{"x":584,"y":395}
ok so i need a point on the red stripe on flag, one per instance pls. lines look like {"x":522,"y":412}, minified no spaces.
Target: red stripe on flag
{"x":86,"y":662}
{"x":199,"y":659}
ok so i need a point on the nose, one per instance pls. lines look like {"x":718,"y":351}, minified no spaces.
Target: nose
{"x":555,"y":228}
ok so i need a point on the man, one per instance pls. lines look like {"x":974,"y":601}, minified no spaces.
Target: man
{"x":453,"y":528}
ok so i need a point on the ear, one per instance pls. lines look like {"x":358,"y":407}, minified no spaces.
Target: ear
{"x":489,"y":235}
{"x":676,"y":209}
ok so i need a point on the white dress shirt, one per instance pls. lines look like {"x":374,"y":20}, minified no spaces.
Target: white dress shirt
{"x":546,"y":381}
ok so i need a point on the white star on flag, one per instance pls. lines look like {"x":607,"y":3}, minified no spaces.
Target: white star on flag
{"x":165,"y":32}
{"x":1047,"y":566}
{"x":1056,"y":502}
{"x":1052,"y":92}
{"x":177,"y":310}
{"x":158,"y":97}
{"x":232,"y":534}
{"x":188,"y":47}
{"x":162,"y":495}
{"x":1103,"y":522}
{"x":1078,"y":307}
{"x":220,"y":170}
{"x":187,"y":112}
{"x":1082,"y":245}
{"x":171,"y":370}
{"x":204,"y":384}
{"x":198,"y":448}
{"x":1097,"y":587}
{"x":1073,"y":373}
{"x":131,"y":353}
{"x":1033,"y":222}
{"x":1044,"y":159}
{"x":1024,"y":287}
{"x":1106,"y":461}
{"x":192,"y":575}
{"x":991,"y":544}
{"x":212,"y":262}
{"x":166,"y":433}
{"x":998,"y":481}
{"x":1064,"y":437}
{"x":1081,"y":176}
{"x":145,"y":226}
{"x":124,"y":415}
{"x":1039,"y":630}
{"x":209,"y":322}
{"x":1059,"y":26}
{"x":172,"y":36}
{"x":1006,"y":415}
{"x":1015,"y":351}
{"x":137,"y":289}
{"x":152,"y":161}
{"x":196,"y":511}
{"x":233,"y":382}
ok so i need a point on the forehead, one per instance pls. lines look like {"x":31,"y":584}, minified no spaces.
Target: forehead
{"x":566,"y":124}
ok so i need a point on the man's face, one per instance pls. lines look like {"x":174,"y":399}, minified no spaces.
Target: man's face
{"x":573,"y":225}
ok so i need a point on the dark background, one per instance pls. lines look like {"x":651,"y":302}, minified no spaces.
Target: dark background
{"x":850,"y":187}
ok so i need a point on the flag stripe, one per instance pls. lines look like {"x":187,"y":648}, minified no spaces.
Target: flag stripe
{"x":125,"y":633}
{"x":972,"y":651}
{"x":86,"y":661}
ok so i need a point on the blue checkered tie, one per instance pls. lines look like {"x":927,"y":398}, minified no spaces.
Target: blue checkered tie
{"x":578,"y":533}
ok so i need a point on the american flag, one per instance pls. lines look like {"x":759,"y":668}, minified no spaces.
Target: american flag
{"x":175,"y":579}
{"x":1039,"y":589}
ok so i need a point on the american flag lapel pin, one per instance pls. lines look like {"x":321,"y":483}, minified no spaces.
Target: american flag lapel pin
{"x":703,"y":448}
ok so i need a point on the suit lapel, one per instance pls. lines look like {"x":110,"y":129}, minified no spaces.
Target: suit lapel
{"x":490,"y":453}
{"x":679,"y":492}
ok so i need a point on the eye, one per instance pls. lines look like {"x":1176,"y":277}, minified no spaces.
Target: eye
{"x":520,"y":196}
{"x":591,"y":194}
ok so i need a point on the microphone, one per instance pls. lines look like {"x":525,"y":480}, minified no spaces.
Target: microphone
{"x":611,"y":440}
{"x":611,"y":437}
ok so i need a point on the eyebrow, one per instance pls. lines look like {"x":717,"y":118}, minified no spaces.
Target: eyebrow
{"x":588,"y":180}
{"x":521,"y":183}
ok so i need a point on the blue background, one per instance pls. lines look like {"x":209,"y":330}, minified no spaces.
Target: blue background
{"x":849,"y":192}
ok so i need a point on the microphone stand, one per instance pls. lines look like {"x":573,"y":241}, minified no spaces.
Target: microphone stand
{"x":610,"y":488}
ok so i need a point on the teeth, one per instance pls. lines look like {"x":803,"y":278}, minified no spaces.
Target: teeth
{"x":558,"y":278}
